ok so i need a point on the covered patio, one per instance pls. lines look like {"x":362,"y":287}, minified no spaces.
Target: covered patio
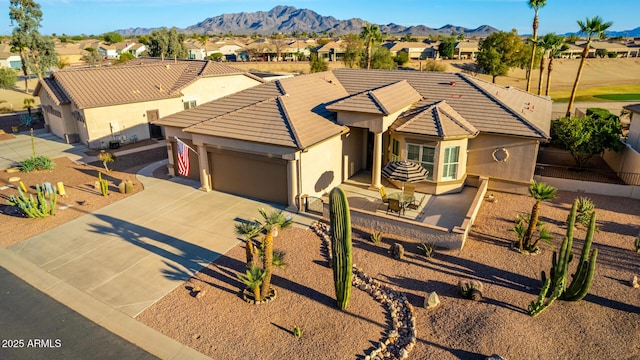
{"x":441,"y":220}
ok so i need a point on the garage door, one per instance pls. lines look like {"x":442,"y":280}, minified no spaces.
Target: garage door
{"x":249,"y":175}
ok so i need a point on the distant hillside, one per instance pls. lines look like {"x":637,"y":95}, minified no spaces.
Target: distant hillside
{"x":286,"y":19}
{"x":628,"y":33}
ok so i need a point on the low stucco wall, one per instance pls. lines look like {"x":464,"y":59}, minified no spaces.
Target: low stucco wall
{"x":439,"y":236}
{"x":629,"y":191}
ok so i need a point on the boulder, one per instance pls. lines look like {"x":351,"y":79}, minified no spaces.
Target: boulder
{"x":432,"y":301}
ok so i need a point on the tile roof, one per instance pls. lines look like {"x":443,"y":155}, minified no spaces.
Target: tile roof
{"x":490,"y":108}
{"x":384,"y":100}
{"x":300,"y":111}
{"x":54,"y":91}
{"x":633,"y":107}
{"x":288,"y":112}
{"x":114,"y":85}
{"x":436,"y":119}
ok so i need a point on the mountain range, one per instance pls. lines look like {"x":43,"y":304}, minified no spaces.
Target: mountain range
{"x":287,"y":19}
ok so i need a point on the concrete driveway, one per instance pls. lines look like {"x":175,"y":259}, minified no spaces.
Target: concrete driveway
{"x":16,"y":150}
{"x":130,"y":254}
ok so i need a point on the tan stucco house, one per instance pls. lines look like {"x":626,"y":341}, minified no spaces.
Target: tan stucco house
{"x":304,"y":135}
{"x":99,"y":106}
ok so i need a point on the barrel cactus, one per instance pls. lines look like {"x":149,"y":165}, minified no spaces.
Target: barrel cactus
{"x":342,"y":259}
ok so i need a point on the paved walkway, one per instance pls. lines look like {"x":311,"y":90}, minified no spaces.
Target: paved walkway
{"x":114,"y":263}
{"x":16,"y":150}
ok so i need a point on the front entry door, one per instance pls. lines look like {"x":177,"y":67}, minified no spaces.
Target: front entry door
{"x":155,"y":131}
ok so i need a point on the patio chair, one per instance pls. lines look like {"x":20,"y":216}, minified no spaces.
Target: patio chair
{"x":414,"y":206}
{"x":383,"y":194}
{"x":409,"y":189}
{"x":394,"y":206}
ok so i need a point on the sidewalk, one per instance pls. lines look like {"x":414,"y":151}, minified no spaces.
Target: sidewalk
{"x":112,"y":264}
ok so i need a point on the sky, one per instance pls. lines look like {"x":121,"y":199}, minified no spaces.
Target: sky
{"x":94,"y":17}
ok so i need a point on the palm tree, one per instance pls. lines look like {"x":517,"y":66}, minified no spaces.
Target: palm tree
{"x":371,"y":34}
{"x":249,"y":231}
{"x":540,"y":192}
{"x":545,"y":48}
{"x":28,"y":104}
{"x":594,"y":28}
{"x":270,"y":223}
{"x":556,"y":47}
{"x":535,"y":5}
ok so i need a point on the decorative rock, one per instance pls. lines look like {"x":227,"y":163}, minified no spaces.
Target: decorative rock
{"x":432,"y":301}
{"x":397,"y":251}
{"x":13,"y":170}
{"x":634,"y":282}
{"x":14,"y":179}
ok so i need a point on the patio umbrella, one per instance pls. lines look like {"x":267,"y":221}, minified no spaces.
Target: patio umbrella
{"x":404,"y":171}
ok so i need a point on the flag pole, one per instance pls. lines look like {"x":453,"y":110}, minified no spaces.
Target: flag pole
{"x":185,"y":144}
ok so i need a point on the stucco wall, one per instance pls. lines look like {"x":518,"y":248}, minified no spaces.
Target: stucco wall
{"x":633,"y":138}
{"x":321,"y":167}
{"x":352,"y":153}
{"x":519,"y":166}
{"x":211,"y":88}
{"x":59,"y":126}
{"x":626,"y":161}
{"x":131,"y":119}
{"x":589,"y":187}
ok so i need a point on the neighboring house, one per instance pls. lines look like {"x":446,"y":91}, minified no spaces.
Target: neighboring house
{"x":331,"y":51}
{"x":415,"y":50}
{"x":627,"y":161}
{"x":618,"y":49}
{"x":71,"y":53}
{"x":113,"y":51}
{"x":10,"y":60}
{"x":98,"y":106}
{"x":467,"y":49}
{"x":575,"y":52}
{"x":304,"y":135}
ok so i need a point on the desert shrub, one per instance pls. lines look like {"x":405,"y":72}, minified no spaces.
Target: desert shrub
{"x":376,"y":237}
{"x":432,"y":65}
{"x":470,"y":289}
{"x":36,"y":163}
{"x":427,"y":249}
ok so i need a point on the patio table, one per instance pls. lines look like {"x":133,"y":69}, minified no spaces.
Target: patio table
{"x":402,"y":197}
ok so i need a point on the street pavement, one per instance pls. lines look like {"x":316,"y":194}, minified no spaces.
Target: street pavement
{"x":35,"y":326}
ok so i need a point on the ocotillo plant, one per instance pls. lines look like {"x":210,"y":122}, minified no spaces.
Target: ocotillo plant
{"x":342,"y":260}
{"x":581,"y":280}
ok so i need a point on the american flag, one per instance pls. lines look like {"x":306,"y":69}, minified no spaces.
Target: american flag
{"x":183,"y":159}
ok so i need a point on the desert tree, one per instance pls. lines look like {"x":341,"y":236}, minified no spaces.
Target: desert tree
{"x":165,"y":43}
{"x":8,"y":78}
{"x":92,"y":57}
{"x":353,"y":50}
{"x":593,"y":28}
{"x":381,"y":58}
{"x":317,"y":64}
{"x":112,"y":37}
{"x":371,"y":35}
{"x":556,"y":46}
{"x":587,"y":136}
{"x":500,"y":52}
{"x":535,"y":5}
{"x":447,"y":47}
{"x":37,"y":53}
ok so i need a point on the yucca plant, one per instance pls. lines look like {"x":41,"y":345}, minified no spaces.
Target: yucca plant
{"x":540,"y":192}
{"x":249,"y":231}
{"x":427,"y":249}
{"x":521,"y":226}
{"x":253,"y":279}
{"x":271,"y":223}
{"x":106,"y":157}
{"x":376,"y":237}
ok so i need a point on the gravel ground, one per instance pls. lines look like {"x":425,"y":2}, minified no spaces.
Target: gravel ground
{"x":606,"y":324}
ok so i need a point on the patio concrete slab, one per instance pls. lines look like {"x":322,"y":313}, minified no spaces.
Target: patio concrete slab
{"x":16,"y":150}
{"x":133,"y":252}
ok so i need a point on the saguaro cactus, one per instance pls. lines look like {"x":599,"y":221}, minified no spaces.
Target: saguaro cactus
{"x":581,"y":280}
{"x":342,"y":259}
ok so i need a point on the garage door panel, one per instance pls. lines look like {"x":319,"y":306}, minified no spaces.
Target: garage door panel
{"x":250,"y":175}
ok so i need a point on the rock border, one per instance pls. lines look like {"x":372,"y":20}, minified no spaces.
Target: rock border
{"x":401,"y":338}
